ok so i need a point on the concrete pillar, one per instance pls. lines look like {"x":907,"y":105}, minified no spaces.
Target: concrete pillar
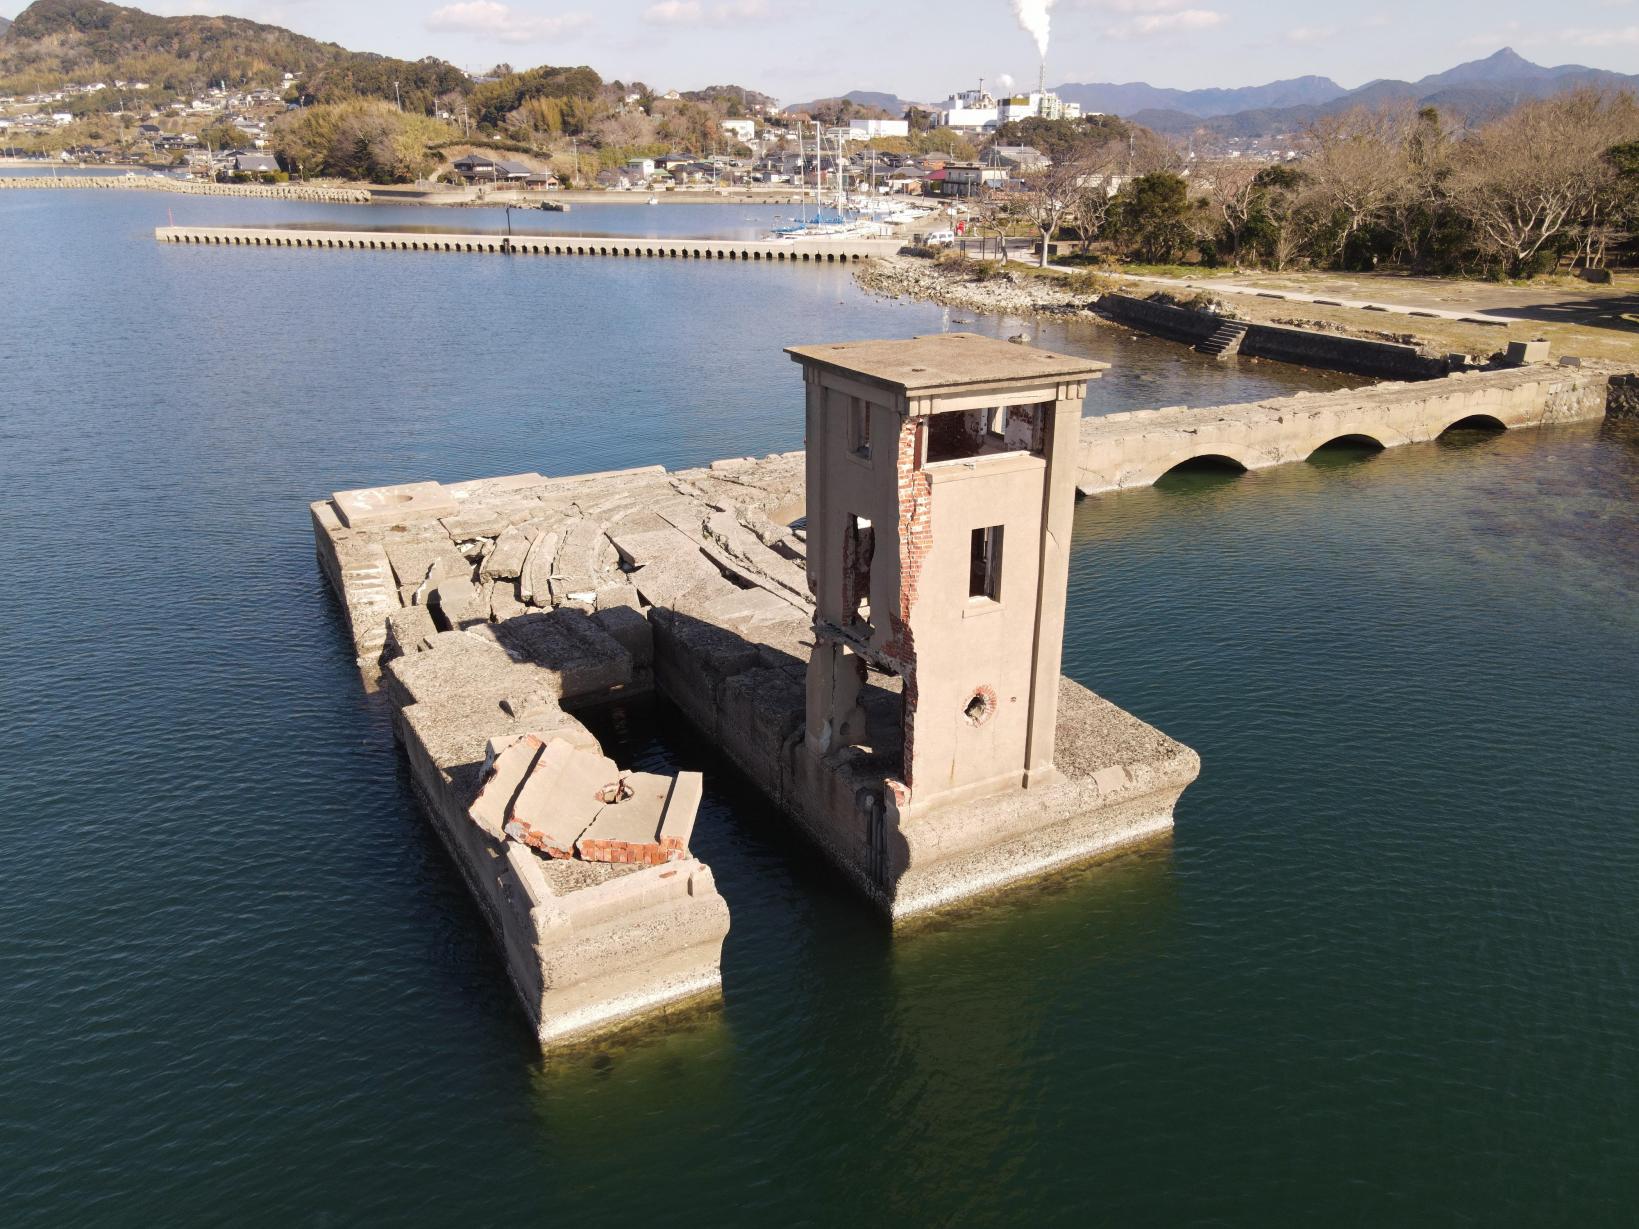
{"x":1063,"y":447}
{"x":836,"y":677}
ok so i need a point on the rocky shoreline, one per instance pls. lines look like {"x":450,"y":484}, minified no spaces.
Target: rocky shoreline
{"x":1006,"y":294}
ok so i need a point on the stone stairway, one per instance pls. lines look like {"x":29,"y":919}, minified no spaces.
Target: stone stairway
{"x":1225,"y":340}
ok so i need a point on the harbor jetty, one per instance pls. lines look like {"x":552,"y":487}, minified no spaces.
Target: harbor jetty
{"x":868,"y":630}
{"x":190,"y":187}
{"x":800,"y":251}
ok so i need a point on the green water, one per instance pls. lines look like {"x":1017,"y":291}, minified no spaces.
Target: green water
{"x":1386,"y":971}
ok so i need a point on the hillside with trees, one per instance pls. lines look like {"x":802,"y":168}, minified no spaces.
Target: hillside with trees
{"x":1387,"y":188}
{"x":53,"y":42}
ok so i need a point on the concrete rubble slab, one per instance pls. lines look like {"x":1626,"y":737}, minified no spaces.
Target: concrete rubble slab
{"x":509,"y":763}
{"x":561,"y":795}
{"x":505,"y":559}
{"x":389,"y":505}
{"x":627,"y":827}
{"x":535,"y":578}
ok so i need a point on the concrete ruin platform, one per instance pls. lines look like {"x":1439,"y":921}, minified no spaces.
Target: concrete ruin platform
{"x":692,"y":583}
{"x":490,"y":611}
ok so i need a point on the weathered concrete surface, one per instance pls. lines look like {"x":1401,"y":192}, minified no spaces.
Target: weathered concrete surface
{"x":1119,"y":451}
{"x":478,"y":700}
{"x":816,"y":251}
{"x":695,"y":582}
{"x":1331,"y":351}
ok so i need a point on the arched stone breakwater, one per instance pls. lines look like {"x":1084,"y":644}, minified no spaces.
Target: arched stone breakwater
{"x":1121,"y":451}
{"x":811,"y":251}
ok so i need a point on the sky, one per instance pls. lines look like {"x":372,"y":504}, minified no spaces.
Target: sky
{"x":922,"y":50}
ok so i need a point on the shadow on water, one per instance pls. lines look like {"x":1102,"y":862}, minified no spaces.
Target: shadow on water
{"x":1345,"y":451}
{"x":1199,"y":474}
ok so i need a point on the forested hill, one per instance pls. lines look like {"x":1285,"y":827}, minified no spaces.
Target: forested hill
{"x":53,"y":42}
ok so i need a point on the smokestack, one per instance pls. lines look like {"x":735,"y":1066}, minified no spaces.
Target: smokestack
{"x":1041,"y":81}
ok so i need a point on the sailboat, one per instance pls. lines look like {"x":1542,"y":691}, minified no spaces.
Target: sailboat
{"x":827,"y":223}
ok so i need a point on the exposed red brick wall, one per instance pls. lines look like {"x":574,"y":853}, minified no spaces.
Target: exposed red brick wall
{"x":915,"y":499}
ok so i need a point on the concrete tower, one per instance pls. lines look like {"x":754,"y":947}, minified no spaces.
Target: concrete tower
{"x":940,"y":475}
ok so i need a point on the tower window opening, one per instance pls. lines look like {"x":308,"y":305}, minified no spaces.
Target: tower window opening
{"x":859,"y":428}
{"x":985,"y":564}
{"x":859,"y":548}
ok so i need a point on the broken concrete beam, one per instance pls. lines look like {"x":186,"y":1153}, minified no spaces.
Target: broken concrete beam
{"x":415,"y":564}
{"x":457,"y":601}
{"x":631,"y":630}
{"x":640,"y":547}
{"x":504,"y":603}
{"x":619,"y":595}
{"x":627,"y":828}
{"x":584,"y":659}
{"x":390,"y":505}
{"x":666,"y":579}
{"x":505,"y":560}
{"x":561,"y":795}
{"x":507,"y":766}
{"x":535,"y":579}
{"x":407,"y":627}
{"x":578,"y":560}
{"x":677,"y":821}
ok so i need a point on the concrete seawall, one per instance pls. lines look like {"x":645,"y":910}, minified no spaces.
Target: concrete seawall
{"x":812,"y":251}
{"x":1121,"y":451}
{"x":159,"y":183}
{"x":1361,"y":356}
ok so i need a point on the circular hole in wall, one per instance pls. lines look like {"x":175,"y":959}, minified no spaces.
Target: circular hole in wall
{"x":979,"y":707}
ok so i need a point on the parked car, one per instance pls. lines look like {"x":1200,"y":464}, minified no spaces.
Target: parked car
{"x":939,"y":238}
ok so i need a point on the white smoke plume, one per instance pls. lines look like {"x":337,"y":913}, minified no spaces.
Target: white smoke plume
{"x":1004,"y":81}
{"x":1033,"y":19}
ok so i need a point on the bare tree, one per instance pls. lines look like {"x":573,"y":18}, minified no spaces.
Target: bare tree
{"x":1095,"y":188}
{"x":995,"y":213}
{"x":1356,"y":162}
{"x":1046,"y":200}
{"x":1230,"y":186}
{"x":1527,"y":179}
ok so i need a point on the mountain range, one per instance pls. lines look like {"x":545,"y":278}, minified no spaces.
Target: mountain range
{"x":1475,"y":90}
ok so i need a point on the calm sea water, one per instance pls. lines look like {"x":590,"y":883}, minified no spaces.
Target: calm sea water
{"x":1387,"y":971}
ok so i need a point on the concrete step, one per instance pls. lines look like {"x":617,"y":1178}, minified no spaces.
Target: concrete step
{"x":1225,"y":339}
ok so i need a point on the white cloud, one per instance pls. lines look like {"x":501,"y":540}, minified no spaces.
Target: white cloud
{"x":491,"y":19}
{"x":1625,"y":36}
{"x":1136,"y":6}
{"x":1162,"y":23}
{"x":1307,"y":36}
{"x":694,"y":13}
